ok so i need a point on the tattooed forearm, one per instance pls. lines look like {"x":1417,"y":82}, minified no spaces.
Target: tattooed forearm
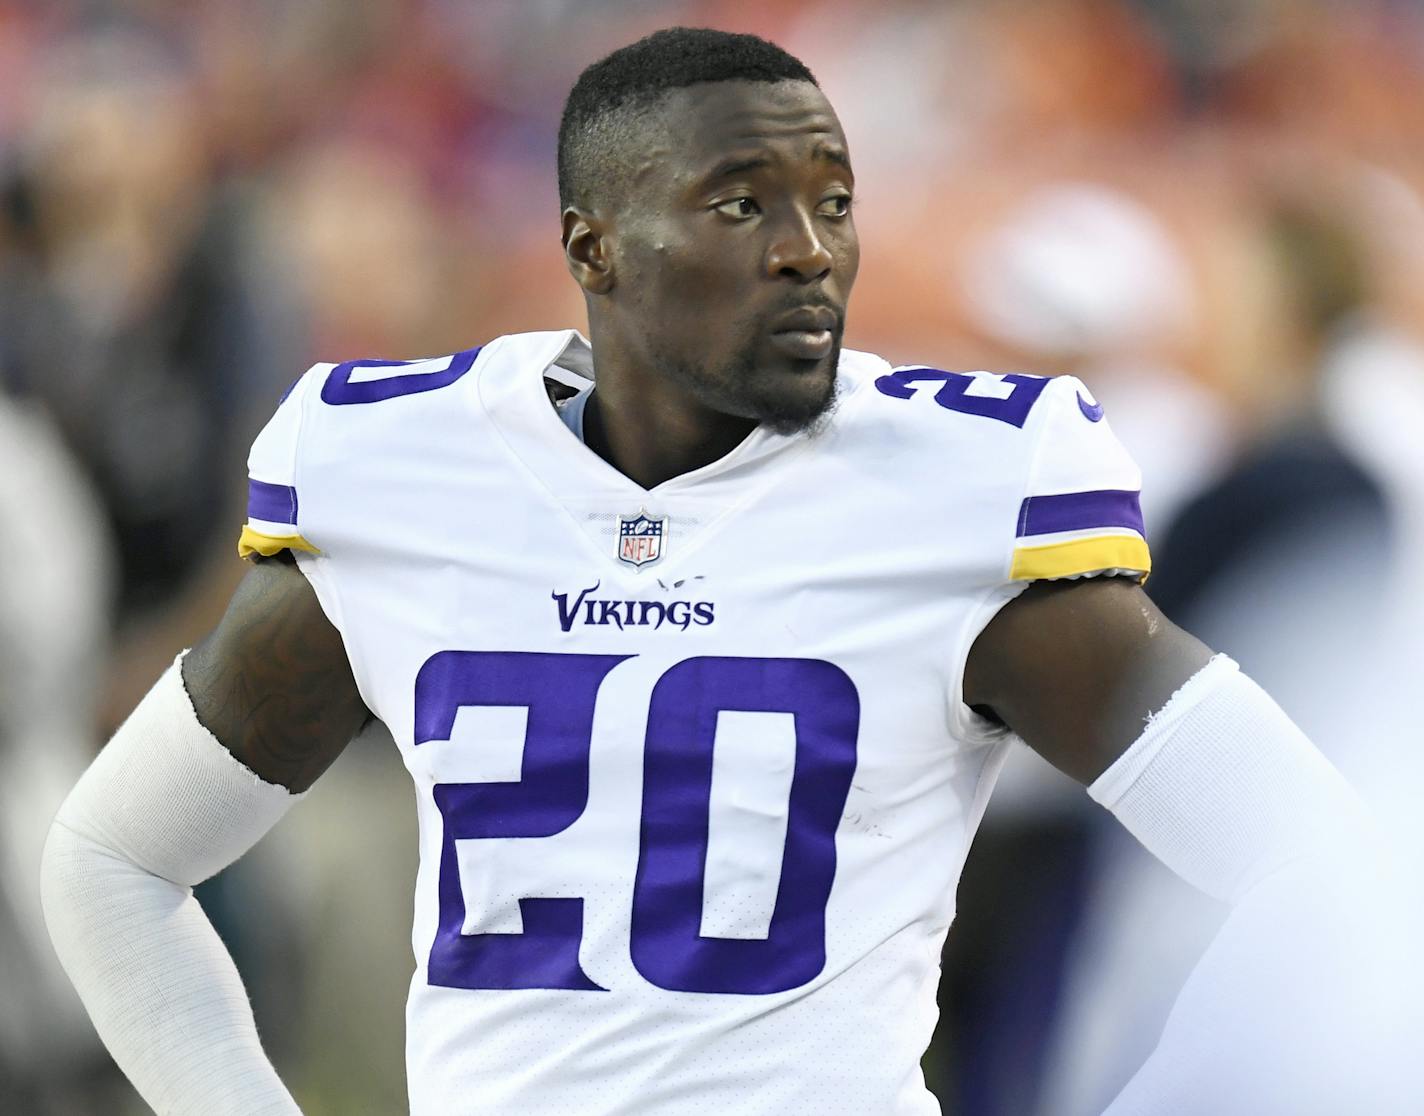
{"x":272,"y":682}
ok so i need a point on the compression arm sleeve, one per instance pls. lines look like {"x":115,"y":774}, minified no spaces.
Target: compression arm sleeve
{"x":162,"y":808}
{"x":1286,"y":1011}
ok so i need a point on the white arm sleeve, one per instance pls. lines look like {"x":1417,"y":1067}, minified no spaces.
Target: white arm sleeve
{"x":162,"y":808}
{"x":1288,"y":1010}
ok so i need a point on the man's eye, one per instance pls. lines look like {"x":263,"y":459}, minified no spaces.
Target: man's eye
{"x":837,"y":206}
{"x":738,"y":207}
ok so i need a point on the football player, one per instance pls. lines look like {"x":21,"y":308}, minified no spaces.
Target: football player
{"x":703,"y":674}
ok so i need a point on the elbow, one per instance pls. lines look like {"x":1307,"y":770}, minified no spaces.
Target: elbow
{"x":67,"y":879}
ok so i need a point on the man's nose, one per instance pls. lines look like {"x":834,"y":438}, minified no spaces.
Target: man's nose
{"x":798,"y":252}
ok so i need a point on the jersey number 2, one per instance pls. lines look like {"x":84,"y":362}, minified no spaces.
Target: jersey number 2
{"x":667,"y":946}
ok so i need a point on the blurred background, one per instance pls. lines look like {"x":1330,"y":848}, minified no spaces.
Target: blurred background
{"x":1211,"y":210}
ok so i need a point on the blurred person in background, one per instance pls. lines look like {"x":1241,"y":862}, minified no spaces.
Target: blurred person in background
{"x":143,"y":306}
{"x":141,"y":316}
{"x":55,"y":607}
{"x":1373,"y":397}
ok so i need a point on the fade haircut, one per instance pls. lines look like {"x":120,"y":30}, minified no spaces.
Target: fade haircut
{"x":601,"y":122}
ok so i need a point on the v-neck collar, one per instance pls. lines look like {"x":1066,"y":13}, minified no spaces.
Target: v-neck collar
{"x":521,"y":409}
{"x":591,"y":492}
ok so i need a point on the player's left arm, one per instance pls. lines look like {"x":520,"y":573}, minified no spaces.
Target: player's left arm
{"x":1288,"y":1006}
{"x":1076,"y":667}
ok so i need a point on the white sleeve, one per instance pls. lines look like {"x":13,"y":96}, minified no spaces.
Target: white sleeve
{"x":274,"y":510}
{"x":162,"y":808}
{"x":1081,"y":513}
{"x":1291,"y":1008}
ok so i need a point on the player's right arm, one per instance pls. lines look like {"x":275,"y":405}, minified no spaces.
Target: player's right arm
{"x":211,"y":758}
{"x":272,"y":682}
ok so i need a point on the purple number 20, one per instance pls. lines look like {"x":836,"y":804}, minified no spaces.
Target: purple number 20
{"x":667,"y":946}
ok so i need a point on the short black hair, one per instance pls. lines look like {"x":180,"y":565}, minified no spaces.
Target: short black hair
{"x":606,"y":101}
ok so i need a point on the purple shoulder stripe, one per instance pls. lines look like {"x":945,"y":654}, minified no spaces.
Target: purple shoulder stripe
{"x":1079,"y":511}
{"x":276,"y":503}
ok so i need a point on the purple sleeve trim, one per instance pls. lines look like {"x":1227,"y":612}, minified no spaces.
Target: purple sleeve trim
{"x":276,"y":503}
{"x":1078,"y":511}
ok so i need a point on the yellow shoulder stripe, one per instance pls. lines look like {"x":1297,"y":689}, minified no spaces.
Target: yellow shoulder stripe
{"x":255,"y":542}
{"x":1081,"y":556}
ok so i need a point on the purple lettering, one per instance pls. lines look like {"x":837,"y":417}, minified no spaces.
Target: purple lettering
{"x":567,"y":615}
{"x":646,"y":608}
{"x":627,"y":614}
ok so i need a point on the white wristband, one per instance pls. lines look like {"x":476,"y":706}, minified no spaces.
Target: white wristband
{"x":163,"y":807}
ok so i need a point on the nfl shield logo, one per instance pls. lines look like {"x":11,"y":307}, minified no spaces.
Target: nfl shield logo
{"x":640,"y":538}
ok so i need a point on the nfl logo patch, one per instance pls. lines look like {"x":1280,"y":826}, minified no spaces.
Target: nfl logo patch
{"x":640,"y":538}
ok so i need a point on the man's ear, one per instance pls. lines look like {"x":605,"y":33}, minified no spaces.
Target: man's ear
{"x":586,"y":250}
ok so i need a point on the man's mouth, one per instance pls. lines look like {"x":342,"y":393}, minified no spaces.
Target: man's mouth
{"x":804,"y":344}
{"x":806,"y":333}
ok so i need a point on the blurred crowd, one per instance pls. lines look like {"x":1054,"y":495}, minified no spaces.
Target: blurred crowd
{"x":1211,"y":210}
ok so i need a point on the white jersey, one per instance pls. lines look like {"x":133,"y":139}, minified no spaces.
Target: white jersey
{"x":694,"y":775}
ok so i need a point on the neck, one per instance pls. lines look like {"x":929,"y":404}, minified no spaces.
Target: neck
{"x":647,"y":427}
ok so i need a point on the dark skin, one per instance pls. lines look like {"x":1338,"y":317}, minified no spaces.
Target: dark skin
{"x":741,"y":189}
{"x":272,"y":680}
{"x":687,"y":277}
